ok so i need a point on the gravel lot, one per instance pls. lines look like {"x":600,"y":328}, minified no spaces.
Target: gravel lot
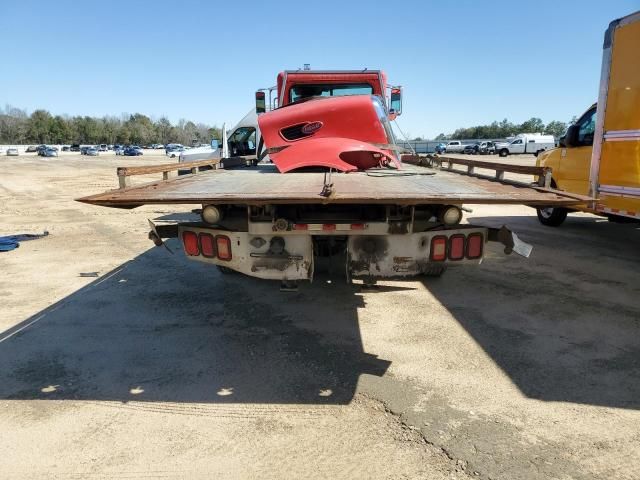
{"x":163,"y":368}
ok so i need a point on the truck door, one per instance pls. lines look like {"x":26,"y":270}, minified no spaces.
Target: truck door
{"x":573,"y":174}
{"x":242,"y":143}
{"x":517,"y":146}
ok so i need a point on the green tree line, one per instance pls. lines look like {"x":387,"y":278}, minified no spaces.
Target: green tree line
{"x":41,"y":127}
{"x":505,"y":128}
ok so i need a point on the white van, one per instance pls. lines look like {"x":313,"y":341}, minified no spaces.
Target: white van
{"x":526,"y":143}
{"x":241,"y":143}
{"x":243,"y":139}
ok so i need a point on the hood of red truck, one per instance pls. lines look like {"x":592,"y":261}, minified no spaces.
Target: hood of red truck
{"x":343,"y":133}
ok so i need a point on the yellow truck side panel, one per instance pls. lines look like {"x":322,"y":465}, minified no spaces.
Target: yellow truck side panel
{"x":623,"y":98}
{"x":620,"y":163}
{"x":620,"y":150}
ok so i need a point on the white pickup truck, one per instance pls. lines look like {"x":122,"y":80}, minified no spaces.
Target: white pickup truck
{"x":526,"y":143}
{"x":454,"y":146}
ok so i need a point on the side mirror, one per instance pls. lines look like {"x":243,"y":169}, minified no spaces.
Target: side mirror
{"x":396,"y":101}
{"x":570,"y":138}
{"x":261,"y":106}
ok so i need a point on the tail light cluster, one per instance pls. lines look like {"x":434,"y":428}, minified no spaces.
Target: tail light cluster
{"x":207,"y":245}
{"x":456,"y":247}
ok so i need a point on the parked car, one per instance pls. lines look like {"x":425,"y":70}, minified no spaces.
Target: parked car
{"x":103,"y":147}
{"x":471,"y":148}
{"x":175,"y":152}
{"x":441,"y":148}
{"x":75,"y":147}
{"x":454,"y":146}
{"x":485,"y":148}
{"x":50,"y":152}
{"x":12,"y":152}
{"x":66,"y":148}
{"x":31,"y":149}
{"x":40,"y":149}
{"x":119,"y":150}
{"x":171,"y":146}
{"x":92,"y":152}
{"x":133,"y":151}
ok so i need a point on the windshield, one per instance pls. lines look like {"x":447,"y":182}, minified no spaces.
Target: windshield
{"x":298,"y":92}
{"x":384,"y":119}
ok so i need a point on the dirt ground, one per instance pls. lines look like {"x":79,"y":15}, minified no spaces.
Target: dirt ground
{"x":158,"y":367}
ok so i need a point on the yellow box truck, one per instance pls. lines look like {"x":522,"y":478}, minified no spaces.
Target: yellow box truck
{"x":599,"y":155}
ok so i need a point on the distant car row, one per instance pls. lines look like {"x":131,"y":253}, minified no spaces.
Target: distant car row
{"x":103,"y":147}
{"x":533,"y":143}
{"x":172,"y":150}
{"x":478,"y":148}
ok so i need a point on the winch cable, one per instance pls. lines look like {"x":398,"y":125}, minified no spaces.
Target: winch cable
{"x":395,"y":121}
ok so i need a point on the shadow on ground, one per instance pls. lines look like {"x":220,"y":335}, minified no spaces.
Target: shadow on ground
{"x":564,"y":325}
{"x":161,"y":328}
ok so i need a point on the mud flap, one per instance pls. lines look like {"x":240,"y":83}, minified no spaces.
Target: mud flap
{"x":510,"y":240}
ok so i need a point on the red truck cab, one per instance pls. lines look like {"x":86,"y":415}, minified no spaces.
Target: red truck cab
{"x":330,"y":119}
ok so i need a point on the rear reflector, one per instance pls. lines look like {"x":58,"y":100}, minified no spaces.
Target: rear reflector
{"x":300,"y":226}
{"x":190,"y":241}
{"x":456,"y":247}
{"x":224,"y":247}
{"x":438,"y":249}
{"x":329,"y":226}
{"x":207,"y":245}
{"x":474,"y":245}
{"x":357,"y":226}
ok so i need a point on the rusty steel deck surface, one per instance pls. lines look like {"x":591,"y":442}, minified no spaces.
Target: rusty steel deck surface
{"x":263,"y":184}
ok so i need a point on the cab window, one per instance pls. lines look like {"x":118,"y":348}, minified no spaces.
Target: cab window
{"x":298,"y":92}
{"x":587,"y":128}
{"x":242,"y":142}
{"x":516,"y":142}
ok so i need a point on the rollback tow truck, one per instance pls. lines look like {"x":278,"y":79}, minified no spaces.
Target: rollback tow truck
{"x":320,"y":175}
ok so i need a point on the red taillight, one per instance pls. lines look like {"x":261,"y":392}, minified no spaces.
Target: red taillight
{"x":224,"y":247}
{"x":300,"y":226}
{"x":207,"y":245}
{"x":456,"y":247}
{"x":329,"y":226}
{"x":357,"y":226}
{"x":190,"y":241}
{"x":438,"y":249}
{"x":475,"y":243}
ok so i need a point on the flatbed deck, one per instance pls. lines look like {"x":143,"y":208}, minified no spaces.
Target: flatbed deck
{"x":263,"y":184}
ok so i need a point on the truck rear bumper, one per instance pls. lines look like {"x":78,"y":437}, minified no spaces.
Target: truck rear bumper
{"x":288,"y":257}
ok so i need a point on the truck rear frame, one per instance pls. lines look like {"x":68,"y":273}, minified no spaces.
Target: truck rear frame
{"x":387,"y":223}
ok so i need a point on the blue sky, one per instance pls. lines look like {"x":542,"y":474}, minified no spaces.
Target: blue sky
{"x":461,"y":63}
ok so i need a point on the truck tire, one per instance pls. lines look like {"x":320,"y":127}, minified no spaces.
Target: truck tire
{"x":538,"y":153}
{"x":551,"y":216}
{"x":504,"y":152}
{"x":434,"y":270}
